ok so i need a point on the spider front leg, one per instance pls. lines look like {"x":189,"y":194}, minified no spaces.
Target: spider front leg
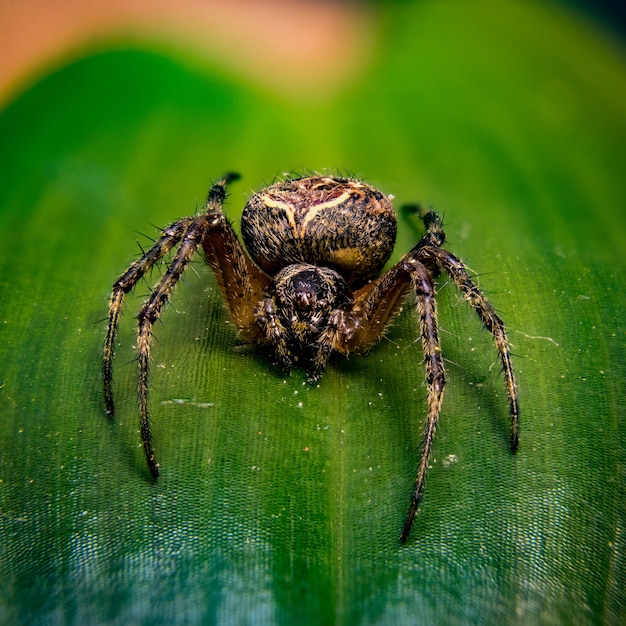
{"x":125,"y":283}
{"x":373,"y":308}
{"x":189,"y":233}
{"x":149,"y":313}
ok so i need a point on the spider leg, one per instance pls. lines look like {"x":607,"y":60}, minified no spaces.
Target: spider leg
{"x":150,"y":313}
{"x":457,"y":271}
{"x":324,"y":345}
{"x":242,"y":283}
{"x":435,"y":377}
{"x":273,"y":332}
{"x":374,"y":306}
{"x":378,"y":301}
{"x":189,"y":232}
{"x":125,"y":283}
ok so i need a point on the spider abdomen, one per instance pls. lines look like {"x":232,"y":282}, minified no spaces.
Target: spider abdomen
{"x":334,"y":222}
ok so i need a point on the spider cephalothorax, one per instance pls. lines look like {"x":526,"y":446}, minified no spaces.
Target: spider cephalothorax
{"x":310,"y":287}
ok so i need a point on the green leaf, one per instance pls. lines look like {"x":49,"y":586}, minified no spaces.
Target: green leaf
{"x":282,"y":502}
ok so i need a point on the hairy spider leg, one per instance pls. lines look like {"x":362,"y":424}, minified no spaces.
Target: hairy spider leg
{"x":149,"y":313}
{"x":376,"y":303}
{"x":125,"y":283}
{"x":242,"y":283}
{"x":434,"y":257}
{"x":435,"y":379}
{"x":274,"y":332}
{"x":189,"y":232}
{"x":430,"y":253}
{"x":457,"y":271}
{"x":373,"y":308}
{"x":325,"y":345}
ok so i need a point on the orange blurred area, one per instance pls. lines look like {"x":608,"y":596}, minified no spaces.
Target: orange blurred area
{"x":296,"y":46}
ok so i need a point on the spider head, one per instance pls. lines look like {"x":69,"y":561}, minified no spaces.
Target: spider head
{"x":307,"y":293}
{"x":302,"y":304}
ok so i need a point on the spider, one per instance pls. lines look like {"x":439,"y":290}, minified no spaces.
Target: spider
{"x":310,"y":285}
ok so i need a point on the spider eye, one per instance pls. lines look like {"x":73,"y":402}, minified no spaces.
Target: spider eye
{"x":307,"y":288}
{"x":304,"y":298}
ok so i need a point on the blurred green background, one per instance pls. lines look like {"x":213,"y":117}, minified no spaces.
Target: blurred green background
{"x":282,"y":502}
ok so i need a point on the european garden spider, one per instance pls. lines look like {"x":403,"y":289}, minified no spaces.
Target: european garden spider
{"x":310,"y":286}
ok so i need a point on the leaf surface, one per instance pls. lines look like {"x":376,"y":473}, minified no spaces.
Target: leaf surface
{"x":282,"y":502}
